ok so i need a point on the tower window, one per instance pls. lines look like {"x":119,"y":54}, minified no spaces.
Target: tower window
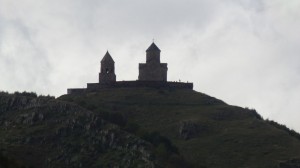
{"x":107,"y":70}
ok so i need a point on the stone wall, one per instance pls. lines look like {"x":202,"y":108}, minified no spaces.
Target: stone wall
{"x":93,"y":87}
{"x":76,"y":90}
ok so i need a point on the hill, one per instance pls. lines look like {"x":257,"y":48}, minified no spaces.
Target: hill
{"x":140,"y":127}
{"x":206,"y":131}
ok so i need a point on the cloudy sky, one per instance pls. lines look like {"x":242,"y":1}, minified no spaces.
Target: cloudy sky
{"x":245,"y":52}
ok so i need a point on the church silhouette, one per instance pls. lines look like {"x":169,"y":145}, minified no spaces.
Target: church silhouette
{"x":153,"y":74}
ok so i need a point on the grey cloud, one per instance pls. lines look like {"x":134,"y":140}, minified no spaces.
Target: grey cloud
{"x":242,"y":51}
{"x":22,"y":62}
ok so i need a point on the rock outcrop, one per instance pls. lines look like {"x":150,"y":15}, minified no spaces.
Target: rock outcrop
{"x":43,"y":132}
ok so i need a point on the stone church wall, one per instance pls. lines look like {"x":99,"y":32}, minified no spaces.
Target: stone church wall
{"x":93,"y":87}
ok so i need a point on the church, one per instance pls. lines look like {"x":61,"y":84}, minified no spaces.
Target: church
{"x":153,"y":74}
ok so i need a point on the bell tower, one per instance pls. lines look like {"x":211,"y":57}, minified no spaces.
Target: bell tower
{"x":107,"y":71}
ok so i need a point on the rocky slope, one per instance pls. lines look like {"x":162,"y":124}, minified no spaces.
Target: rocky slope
{"x":206,"y":131}
{"x":44,"y":132}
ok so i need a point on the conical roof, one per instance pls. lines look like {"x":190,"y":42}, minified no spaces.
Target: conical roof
{"x":107,"y":58}
{"x":153,"y":47}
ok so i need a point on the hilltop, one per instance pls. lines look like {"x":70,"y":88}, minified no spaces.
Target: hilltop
{"x":140,"y":127}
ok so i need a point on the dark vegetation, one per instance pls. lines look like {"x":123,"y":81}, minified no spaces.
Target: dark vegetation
{"x":27,"y":94}
{"x":214,"y":134}
{"x":40,"y":131}
{"x":255,"y":113}
{"x":9,"y":163}
{"x":291,"y":132}
{"x":153,"y":137}
{"x":170,"y":128}
{"x":164,"y":148}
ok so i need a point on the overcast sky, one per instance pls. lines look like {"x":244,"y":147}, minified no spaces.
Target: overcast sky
{"x":245,"y":52}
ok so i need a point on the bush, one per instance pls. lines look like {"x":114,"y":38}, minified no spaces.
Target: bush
{"x":132,"y":128}
{"x":47,"y":97}
{"x":156,"y":139}
{"x":8,"y":163}
{"x":284,"y":128}
{"x":115,"y":118}
{"x":27,"y":94}
{"x":3,"y":93}
{"x":255,"y":113}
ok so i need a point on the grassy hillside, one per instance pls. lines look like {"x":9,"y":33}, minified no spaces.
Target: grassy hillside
{"x":38,"y":132}
{"x":205,"y":131}
{"x":139,"y":127}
